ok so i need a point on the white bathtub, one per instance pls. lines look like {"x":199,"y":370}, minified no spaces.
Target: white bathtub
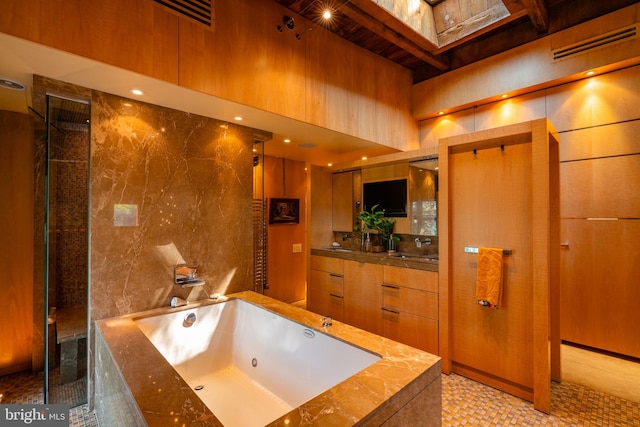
{"x":236,"y":352}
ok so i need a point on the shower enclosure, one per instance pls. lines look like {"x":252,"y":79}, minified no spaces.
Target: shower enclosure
{"x":66,"y":249}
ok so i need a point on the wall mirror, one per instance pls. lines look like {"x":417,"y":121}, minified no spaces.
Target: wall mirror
{"x":423,"y":197}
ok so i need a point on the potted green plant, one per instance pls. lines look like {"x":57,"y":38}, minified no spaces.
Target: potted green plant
{"x":374,"y":222}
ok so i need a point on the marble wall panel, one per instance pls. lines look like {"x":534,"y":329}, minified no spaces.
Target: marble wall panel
{"x":166,"y":187}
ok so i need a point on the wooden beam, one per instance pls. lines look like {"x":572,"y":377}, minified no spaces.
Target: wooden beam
{"x":537,"y":11}
{"x":378,"y":20}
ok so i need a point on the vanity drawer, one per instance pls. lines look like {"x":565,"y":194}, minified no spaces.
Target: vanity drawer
{"x":411,"y":278}
{"x":411,"y":301}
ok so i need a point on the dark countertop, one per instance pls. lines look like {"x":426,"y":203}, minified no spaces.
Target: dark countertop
{"x":427,"y":263}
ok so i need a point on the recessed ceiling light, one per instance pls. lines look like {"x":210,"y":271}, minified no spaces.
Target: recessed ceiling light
{"x":440,"y":113}
{"x":11,"y":84}
{"x":327,"y":14}
{"x":238,"y":118}
{"x":364,"y":157}
{"x":590,"y":73}
{"x":286,"y":141}
{"x":329,"y":164}
{"x":137,"y":92}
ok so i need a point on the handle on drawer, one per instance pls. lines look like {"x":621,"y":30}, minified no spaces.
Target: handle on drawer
{"x":386,"y":285}
{"x":390,"y":310}
{"x":335,"y":295}
{"x":335,"y":275}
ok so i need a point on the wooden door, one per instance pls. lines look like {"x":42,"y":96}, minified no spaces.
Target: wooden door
{"x":492,"y":207}
{"x":499,"y":188}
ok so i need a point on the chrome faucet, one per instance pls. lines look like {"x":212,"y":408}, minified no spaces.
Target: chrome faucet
{"x":419,"y":242}
{"x":326,"y":321}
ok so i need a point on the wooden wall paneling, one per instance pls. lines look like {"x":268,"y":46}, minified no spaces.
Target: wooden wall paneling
{"x":17,"y":18}
{"x":136,"y":36}
{"x":321,"y":211}
{"x":286,"y":269}
{"x":343,"y":202}
{"x":546,"y":218}
{"x":446,"y":125}
{"x":385,"y":173}
{"x":554,"y":255}
{"x":394,"y":123}
{"x":256,"y":64}
{"x":598,"y":100}
{"x":487,"y":200}
{"x":530,"y":106}
{"x":16,"y":241}
{"x":599,"y":303}
{"x":617,"y":139}
{"x":605,"y":187}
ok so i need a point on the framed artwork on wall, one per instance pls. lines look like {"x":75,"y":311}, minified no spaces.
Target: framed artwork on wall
{"x":284,"y":211}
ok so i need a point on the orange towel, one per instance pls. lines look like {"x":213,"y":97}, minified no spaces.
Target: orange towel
{"x":489,"y":279}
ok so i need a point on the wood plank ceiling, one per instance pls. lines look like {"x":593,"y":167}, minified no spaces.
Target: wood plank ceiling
{"x":431,"y":40}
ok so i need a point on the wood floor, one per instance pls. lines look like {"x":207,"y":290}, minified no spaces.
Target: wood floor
{"x":611,"y":375}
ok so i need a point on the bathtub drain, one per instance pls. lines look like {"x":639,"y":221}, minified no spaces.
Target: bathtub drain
{"x":254,"y":362}
{"x":198,"y":387}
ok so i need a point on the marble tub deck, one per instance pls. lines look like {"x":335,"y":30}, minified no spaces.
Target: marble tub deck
{"x":403,"y":388}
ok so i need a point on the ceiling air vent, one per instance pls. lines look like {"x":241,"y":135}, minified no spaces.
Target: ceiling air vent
{"x":600,"y":41}
{"x":197,"y":10}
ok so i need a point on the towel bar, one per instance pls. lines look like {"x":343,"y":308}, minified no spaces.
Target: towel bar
{"x":472,"y":250}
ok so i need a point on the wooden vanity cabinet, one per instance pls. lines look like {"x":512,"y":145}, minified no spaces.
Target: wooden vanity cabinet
{"x":325,"y":294}
{"x":410,"y":307}
{"x":362,"y":299}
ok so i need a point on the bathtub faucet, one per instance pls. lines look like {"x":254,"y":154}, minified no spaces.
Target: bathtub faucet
{"x":326,"y":321}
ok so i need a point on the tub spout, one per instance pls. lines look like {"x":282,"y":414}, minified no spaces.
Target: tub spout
{"x":326,"y":321}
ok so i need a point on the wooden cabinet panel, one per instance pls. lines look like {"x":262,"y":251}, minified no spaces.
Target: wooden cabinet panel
{"x":325,"y":293}
{"x":330,"y":265}
{"x":416,"y":279}
{"x":618,"y":139}
{"x":416,"y":331}
{"x":599,"y":303}
{"x":608,"y":187}
{"x":362,"y":296}
{"x":343,"y":203}
{"x":412,"y":301}
{"x":410,"y":307}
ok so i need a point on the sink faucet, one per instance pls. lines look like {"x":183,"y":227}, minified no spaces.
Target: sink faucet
{"x":426,"y":241}
{"x":326,"y":321}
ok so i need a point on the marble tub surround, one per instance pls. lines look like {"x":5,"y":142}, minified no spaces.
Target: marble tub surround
{"x":403,"y":388}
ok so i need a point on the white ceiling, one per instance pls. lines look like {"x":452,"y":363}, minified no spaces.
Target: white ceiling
{"x":22,"y":59}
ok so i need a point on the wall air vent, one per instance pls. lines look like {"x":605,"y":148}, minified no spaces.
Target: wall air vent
{"x":196,"y":10}
{"x":600,"y":41}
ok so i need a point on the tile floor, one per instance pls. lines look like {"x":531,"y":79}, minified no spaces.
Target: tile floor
{"x":464,"y":403}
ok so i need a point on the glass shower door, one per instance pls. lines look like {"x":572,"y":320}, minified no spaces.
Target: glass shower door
{"x":66,"y":250}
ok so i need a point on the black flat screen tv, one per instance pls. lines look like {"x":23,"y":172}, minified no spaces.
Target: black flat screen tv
{"x":391,"y":196}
